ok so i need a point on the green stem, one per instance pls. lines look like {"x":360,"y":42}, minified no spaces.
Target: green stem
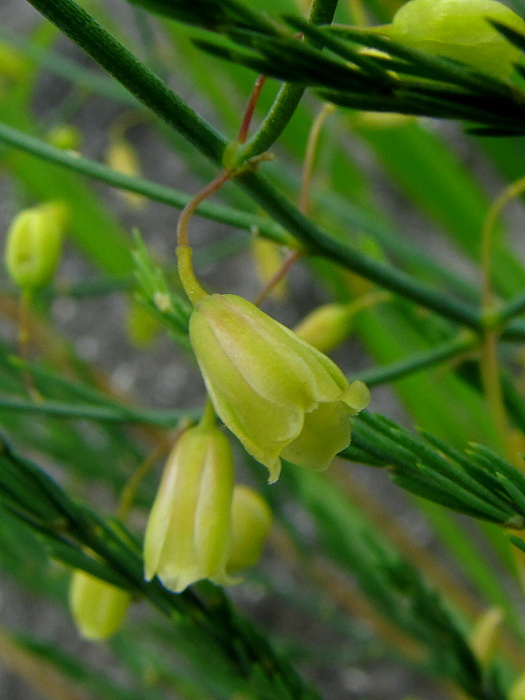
{"x":320,"y":243}
{"x":163,"y":419}
{"x":158,"y":193}
{"x":419,"y":361}
{"x":104,"y":48}
{"x":288,"y":97}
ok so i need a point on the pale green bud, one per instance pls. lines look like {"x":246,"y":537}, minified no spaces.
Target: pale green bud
{"x":123,"y":157}
{"x":279,"y":395}
{"x":517,"y":689}
{"x":13,"y":64}
{"x":485,"y":635}
{"x":327,"y":326}
{"x":98,"y":608}
{"x":268,"y":261}
{"x":459,"y":29}
{"x":251,"y":523}
{"x":64,"y":136}
{"x":141,"y":326}
{"x":34,"y":244}
{"x":188,"y":533}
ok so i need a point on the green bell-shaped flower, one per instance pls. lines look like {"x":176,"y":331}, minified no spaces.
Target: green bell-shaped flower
{"x":277,"y":394}
{"x":188,"y":533}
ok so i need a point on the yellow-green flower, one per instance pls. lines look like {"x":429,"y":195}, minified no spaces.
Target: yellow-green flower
{"x":279,"y":395}
{"x":251,"y":523}
{"x":98,"y":608}
{"x":188,"y":532}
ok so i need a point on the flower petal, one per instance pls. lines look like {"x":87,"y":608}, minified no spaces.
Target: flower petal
{"x":356,"y":397}
{"x":326,"y":432}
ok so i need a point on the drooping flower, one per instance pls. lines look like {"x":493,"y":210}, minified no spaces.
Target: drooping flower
{"x":98,"y":607}
{"x":188,"y":532}
{"x":277,"y":394}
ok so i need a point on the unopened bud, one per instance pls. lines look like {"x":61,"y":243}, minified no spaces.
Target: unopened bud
{"x":142,"y":327}
{"x":64,"y":136}
{"x":98,"y":608}
{"x":122,"y":156}
{"x":13,"y":65}
{"x":485,"y":636}
{"x":251,"y":522}
{"x":268,"y":261}
{"x":517,"y":689}
{"x":327,"y":326}
{"x":34,"y":244}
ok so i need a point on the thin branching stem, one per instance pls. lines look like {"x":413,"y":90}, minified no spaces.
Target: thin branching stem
{"x":149,"y":89}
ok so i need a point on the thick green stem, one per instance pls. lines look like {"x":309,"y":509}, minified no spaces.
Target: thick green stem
{"x":288,"y":97}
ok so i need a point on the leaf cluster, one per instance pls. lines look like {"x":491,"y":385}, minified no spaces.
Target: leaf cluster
{"x":79,"y":538}
{"x":356,"y":68}
{"x":477,"y":483}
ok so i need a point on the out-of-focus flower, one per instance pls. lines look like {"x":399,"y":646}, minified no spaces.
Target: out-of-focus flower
{"x":13,"y":65}
{"x":64,"y":136}
{"x":98,"y":607}
{"x":34,"y":244}
{"x":188,"y":532}
{"x":327,"y":326}
{"x":485,"y":635}
{"x":142,"y":327}
{"x":517,"y":689}
{"x":122,"y":156}
{"x":268,"y":261}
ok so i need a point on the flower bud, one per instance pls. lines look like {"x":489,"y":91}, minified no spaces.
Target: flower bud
{"x":64,"y":136}
{"x":517,"y":689}
{"x":459,"y":29}
{"x":34,"y":244}
{"x":122,"y":156}
{"x":327,"y":326}
{"x":251,"y":522}
{"x":98,"y":608}
{"x":142,"y":327}
{"x":13,"y":65}
{"x":277,"y":394}
{"x":485,"y":636}
{"x":268,"y":261}
{"x":188,"y":533}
